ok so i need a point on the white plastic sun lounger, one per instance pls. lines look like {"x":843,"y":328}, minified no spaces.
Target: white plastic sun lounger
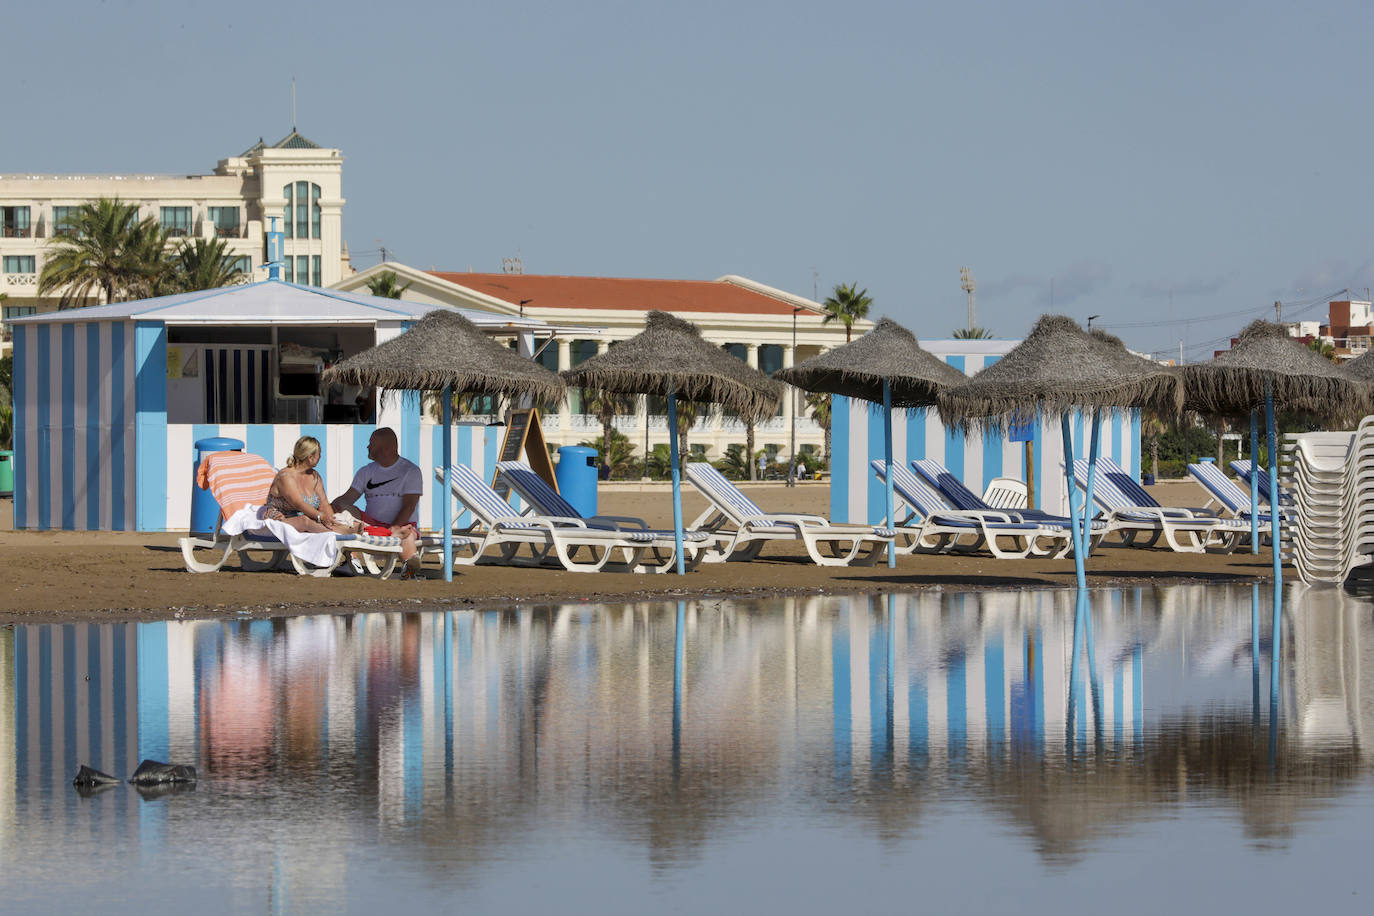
{"x":1131,"y":511}
{"x":567,"y":540}
{"x":748,"y":528}
{"x":937,"y":527}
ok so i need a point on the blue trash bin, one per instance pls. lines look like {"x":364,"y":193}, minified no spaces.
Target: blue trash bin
{"x":204,"y":509}
{"x":576,"y":475}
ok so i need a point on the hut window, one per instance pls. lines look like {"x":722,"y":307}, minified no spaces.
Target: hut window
{"x":176,"y":220}
{"x":15,"y":221}
{"x":19,"y":264}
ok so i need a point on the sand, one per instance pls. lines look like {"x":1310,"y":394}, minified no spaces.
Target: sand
{"x":58,"y":576}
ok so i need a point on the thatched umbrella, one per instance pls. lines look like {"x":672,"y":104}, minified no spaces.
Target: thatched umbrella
{"x":1269,"y":367}
{"x":1058,"y":368}
{"x":886,"y":366}
{"x":445,"y":352}
{"x":670,"y":359}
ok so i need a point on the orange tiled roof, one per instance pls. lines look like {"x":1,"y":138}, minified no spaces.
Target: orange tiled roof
{"x":619,"y":293}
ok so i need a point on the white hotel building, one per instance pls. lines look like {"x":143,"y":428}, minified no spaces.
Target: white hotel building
{"x":294,"y":179}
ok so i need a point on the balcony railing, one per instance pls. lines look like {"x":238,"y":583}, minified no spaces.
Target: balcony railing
{"x":17,"y":232}
{"x":228,"y":232}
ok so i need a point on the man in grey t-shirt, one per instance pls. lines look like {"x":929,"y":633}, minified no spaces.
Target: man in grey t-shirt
{"x":389,"y":485}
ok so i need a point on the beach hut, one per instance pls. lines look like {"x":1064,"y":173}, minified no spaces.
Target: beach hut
{"x":109,"y":400}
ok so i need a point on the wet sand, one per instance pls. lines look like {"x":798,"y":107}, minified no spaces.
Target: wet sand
{"x":57,"y":576}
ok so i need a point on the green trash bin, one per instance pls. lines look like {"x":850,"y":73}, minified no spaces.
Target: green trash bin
{"x":6,"y":473}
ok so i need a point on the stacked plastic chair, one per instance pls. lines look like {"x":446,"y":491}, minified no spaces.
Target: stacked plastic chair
{"x":1329,"y":477}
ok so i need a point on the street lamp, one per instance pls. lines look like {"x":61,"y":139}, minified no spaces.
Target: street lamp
{"x":1091,"y":318}
{"x":792,"y":463}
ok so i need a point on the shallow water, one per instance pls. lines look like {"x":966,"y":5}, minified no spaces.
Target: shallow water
{"x":939,"y":752}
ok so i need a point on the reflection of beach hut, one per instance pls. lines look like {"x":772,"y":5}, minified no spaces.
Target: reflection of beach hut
{"x":110,"y":399}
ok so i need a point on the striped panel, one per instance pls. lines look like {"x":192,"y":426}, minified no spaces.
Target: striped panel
{"x":72,"y":440}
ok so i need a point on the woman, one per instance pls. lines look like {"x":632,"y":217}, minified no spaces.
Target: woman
{"x":297,"y":497}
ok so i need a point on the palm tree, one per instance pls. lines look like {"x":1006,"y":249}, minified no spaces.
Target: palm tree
{"x":107,"y":252}
{"x":605,"y":405}
{"x":618,"y":456}
{"x":687,"y":413}
{"x":819,"y":404}
{"x":846,"y":305}
{"x":972,"y":334}
{"x":1322,"y":348}
{"x":204,"y":264}
{"x":384,"y":284}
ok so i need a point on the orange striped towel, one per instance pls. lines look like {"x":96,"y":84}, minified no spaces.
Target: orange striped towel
{"x":236,"y":479}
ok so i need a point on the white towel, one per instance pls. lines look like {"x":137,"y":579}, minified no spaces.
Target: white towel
{"x":319,"y":549}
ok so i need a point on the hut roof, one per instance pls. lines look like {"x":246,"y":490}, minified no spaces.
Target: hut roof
{"x":445,"y":349}
{"x":1056,"y":368}
{"x":1236,"y":381}
{"x":858,"y":369}
{"x":670,"y":356}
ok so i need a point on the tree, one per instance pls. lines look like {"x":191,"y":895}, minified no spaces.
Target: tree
{"x":384,"y":284}
{"x":107,"y":252}
{"x":620,"y":456}
{"x":847,"y":305}
{"x":204,"y":264}
{"x":819,"y":403}
{"x":687,"y":414}
{"x":737,"y":462}
{"x":972,"y":334}
{"x":1322,"y":348}
{"x":605,"y":405}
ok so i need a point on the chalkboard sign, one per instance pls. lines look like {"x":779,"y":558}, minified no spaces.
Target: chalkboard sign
{"x":525,"y":436}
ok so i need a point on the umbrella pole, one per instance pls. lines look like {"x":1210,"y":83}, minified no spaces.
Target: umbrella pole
{"x":1092,"y":475}
{"x":448,"y":497}
{"x":1274,"y":540}
{"x":1078,"y":570}
{"x":887,"y":455}
{"x":1254,"y":481}
{"x":677,"y":478}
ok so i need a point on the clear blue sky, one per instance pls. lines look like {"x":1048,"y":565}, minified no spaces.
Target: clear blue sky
{"x":1220,"y":151}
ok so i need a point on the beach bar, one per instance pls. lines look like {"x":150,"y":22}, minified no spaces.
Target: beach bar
{"x":110,"y":400}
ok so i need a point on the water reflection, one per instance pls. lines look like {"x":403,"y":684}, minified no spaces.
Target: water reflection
{"x":458,"y":740}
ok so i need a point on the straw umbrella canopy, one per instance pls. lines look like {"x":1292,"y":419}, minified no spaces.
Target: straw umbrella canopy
{"x":447,"y":353}
{"x":886,"y":366}
{"x":670,"y":359}
{"x":1058,"y":368}
{"x":1269,"y":367}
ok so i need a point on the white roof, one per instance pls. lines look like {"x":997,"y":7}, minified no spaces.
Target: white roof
{"x":272,"y":302}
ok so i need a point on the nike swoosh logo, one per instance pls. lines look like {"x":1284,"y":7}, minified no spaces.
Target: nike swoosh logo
{"x":374,"y":484}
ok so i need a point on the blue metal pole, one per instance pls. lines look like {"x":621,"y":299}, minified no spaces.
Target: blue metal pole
{"x":448,"y":497}
{"x":677,"y":478}
{"x":1274,"y":539}
{"x":1075,"y":671}
{"x":1092,"y":475}
{"x":1254,"y":655}
{"x":887,"y":454}
{"x":1079,"y":572}
{"x":1254,"y":481}
{"x":679,"y":680}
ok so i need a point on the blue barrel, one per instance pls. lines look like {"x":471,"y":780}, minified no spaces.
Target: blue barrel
{"x":204,"y":509}
{"x":576,"y":474}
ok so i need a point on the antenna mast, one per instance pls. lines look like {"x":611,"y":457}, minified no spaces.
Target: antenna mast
{"x":968,"y":285}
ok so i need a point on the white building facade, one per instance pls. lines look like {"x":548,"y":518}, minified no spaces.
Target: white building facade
{"x":295,"y":179}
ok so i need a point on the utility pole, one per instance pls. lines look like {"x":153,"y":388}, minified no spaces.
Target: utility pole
{"x":1278,"y":312}
{"x":968,"y":285}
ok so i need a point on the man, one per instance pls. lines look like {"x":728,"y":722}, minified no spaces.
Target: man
{"x":390,"y":487}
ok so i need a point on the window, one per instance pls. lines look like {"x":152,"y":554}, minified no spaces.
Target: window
{"x":225,"y":221}
{"x":580,"y":352}
{"x":176,"y":220}
{"x":302,"y":212}
{"x":15,"y":222}
{"x":244,"y":265}
{"x":63,"y":219}
{"x":19,"y":311}
{"x":315,"y":270}
{"x":287,"y":273}
{"x":19,"y":264}
{"x":302,"y":269}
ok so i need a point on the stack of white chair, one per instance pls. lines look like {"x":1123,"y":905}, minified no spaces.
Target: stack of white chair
{"x":1329,"y":528}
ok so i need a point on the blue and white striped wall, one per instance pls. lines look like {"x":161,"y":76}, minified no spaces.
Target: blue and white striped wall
{"x":76,"y":409}
{"x":856,"y":432}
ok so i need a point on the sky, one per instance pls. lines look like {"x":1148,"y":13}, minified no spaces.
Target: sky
{"x":1174,"y":168}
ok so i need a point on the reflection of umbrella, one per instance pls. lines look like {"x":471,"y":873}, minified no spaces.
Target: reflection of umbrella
{"x":1055,"y":369}
{"x":886,"y":366}
{"x":669,"y":358}
{"x":1269,"y":366}
{"x":447,"y":353}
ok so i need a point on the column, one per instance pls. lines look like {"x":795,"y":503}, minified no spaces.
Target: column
{"x":751,"y":355}
{"x":564,"y":406}
{"x":789,"y":401}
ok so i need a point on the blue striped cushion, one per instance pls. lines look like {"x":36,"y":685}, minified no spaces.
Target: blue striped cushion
{"x":723,"y":493}
{"x":537,"y":490}
{"x":479,"y":498}
{"x":953,"y":489}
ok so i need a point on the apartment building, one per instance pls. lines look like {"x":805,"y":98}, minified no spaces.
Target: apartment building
{"x":294,"y":179}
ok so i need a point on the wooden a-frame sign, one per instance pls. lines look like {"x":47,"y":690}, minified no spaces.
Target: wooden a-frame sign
{"x":525,"y":436}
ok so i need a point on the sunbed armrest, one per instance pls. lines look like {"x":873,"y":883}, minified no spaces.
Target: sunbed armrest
{"x":618,"y":520}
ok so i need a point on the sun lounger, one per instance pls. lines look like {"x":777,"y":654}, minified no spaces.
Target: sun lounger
{"x":1131,"y":511}
{"x":564,"y":539}
{"x":1225,"y":493}
{"x":1244,"y":468}
{"x":961,"y":497}
{"x":240,"y":482}
{"x":748,"y":528}
{"x":931,"y":524}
